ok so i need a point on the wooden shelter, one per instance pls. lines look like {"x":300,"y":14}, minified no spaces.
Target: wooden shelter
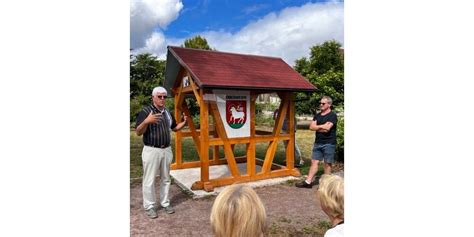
{"x":212,"y":77}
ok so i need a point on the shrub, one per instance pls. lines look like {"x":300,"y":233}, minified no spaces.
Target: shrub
{"x":340,"y":139}
{"x":136,"y":105}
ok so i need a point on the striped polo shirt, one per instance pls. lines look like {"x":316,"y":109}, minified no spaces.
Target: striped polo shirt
{"x":157,"y":134}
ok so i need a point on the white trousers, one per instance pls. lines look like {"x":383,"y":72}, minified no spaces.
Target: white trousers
{"x":156,"y":161}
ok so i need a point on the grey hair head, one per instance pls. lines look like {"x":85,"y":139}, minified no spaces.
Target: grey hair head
{"x":328,"y":99}
{"x":159,"y":89}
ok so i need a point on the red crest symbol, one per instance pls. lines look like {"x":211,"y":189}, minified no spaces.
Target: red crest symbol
{"x":236,"y":112}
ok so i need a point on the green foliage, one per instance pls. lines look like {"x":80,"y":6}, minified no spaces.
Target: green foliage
{"x":259,"y":108}
{"x":340,"y":139}
{"x":263,"y":120}
{"x":196,"y":120}
{"x":169,"y":104}
{"x":146,"y":73}
{"x":327,"y":57}
{"x":325,"y":70}
{"x":307,"y":104}
{"x":330,"y":83}
{"x":316,"y":229}
{"x":197,"y":42}
{"x":193,"y":106}
{"x":324,"y":225}
{"x":136,"y":105}
{"x":271,"y":107}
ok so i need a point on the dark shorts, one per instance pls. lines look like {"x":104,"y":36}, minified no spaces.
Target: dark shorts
{"x":324,"y":152}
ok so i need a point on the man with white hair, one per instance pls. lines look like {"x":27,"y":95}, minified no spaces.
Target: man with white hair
{"x":155,"y":123}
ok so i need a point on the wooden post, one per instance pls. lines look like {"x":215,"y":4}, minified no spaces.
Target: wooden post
{"x":290,"y":149}
{"x":177,"y":115}
{"x":215,"y":153}
{"x":204,"y":139}
{"x":203,"y":142}
{"x":192,"y":128}
{"x":195,"y":91}
{"x":270,"y":154}
{"x":251,"y":147}
{"x":178,"y":142}
{"x":229,"y":154}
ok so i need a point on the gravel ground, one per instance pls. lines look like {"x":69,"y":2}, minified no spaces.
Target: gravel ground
{"x":291,"y":211}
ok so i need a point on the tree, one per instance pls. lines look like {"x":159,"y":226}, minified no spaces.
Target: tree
{"x":326,"y":57}
{"x":146,"y":72}
{"x":325,"y":70}
{"x":197,"y":42}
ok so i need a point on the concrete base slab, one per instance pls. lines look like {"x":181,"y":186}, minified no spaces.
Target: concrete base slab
{"x":185,"y":178}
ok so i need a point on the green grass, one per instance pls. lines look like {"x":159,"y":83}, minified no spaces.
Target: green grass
{"x":283,"y":227}
{"x":304,"y":139}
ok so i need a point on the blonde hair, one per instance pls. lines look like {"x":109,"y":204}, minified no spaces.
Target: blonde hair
{"x":331,"y":195}
{"x":238,"y":211}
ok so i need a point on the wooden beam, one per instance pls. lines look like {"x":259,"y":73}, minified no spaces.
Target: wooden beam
{"x":179,"y":79}
{"x":290,"y":149}
{"x":178,"y":140}
{"x":261,"y":132}
{"x":187,"y":90}
{"x":194,"y":134}
{"x":273,"y":166}
{"x":270,"y":154}
{"x":179,"y":98}
{"x":190,"y":134}
{"x":245,"y":178}
{"x":215,"y":153}
{"x":204,"y":141}
{"x":219,"y":125}
{"x":195,"y":164}
{"x":281,"y":116}
{"x":195,"y":89}
{"x":244,"y":140}
{"x":177,"y":110}
{"x":251,"y":147}
{"x":178,"y":89}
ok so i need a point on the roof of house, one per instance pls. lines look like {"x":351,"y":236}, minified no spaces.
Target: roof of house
{"x":222,"y":70}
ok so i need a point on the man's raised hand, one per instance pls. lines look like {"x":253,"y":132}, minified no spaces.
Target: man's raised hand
{"x":153,"y":118}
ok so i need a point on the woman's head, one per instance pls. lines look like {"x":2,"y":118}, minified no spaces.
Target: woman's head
{"x":238,"y":211}
{"x":331,"y":195}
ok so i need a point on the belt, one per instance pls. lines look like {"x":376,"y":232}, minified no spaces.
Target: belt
{"x":162,"y":146}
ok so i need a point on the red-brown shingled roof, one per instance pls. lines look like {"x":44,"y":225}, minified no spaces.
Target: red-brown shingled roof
{"x":213,"y":69}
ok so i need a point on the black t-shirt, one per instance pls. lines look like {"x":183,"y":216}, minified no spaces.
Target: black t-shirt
{"x":157,"y":134}
{"x":326,"y":137}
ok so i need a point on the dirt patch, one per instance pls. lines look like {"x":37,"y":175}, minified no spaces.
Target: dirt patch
{"x":291,"y":211}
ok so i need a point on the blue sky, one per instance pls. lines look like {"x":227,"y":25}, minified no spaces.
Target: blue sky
{"x":280,"y":28}
{"x":205,"y":15}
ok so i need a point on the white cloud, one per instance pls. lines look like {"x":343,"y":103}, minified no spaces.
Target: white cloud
{"x":154,"y":44}
{"x":254,"y":8}
{"x":147,"y":15}
{"x":287,"y":34}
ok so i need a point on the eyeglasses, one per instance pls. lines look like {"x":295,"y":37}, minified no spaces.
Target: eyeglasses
{"x":161,"y":96}
{"x":322,"y":103}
